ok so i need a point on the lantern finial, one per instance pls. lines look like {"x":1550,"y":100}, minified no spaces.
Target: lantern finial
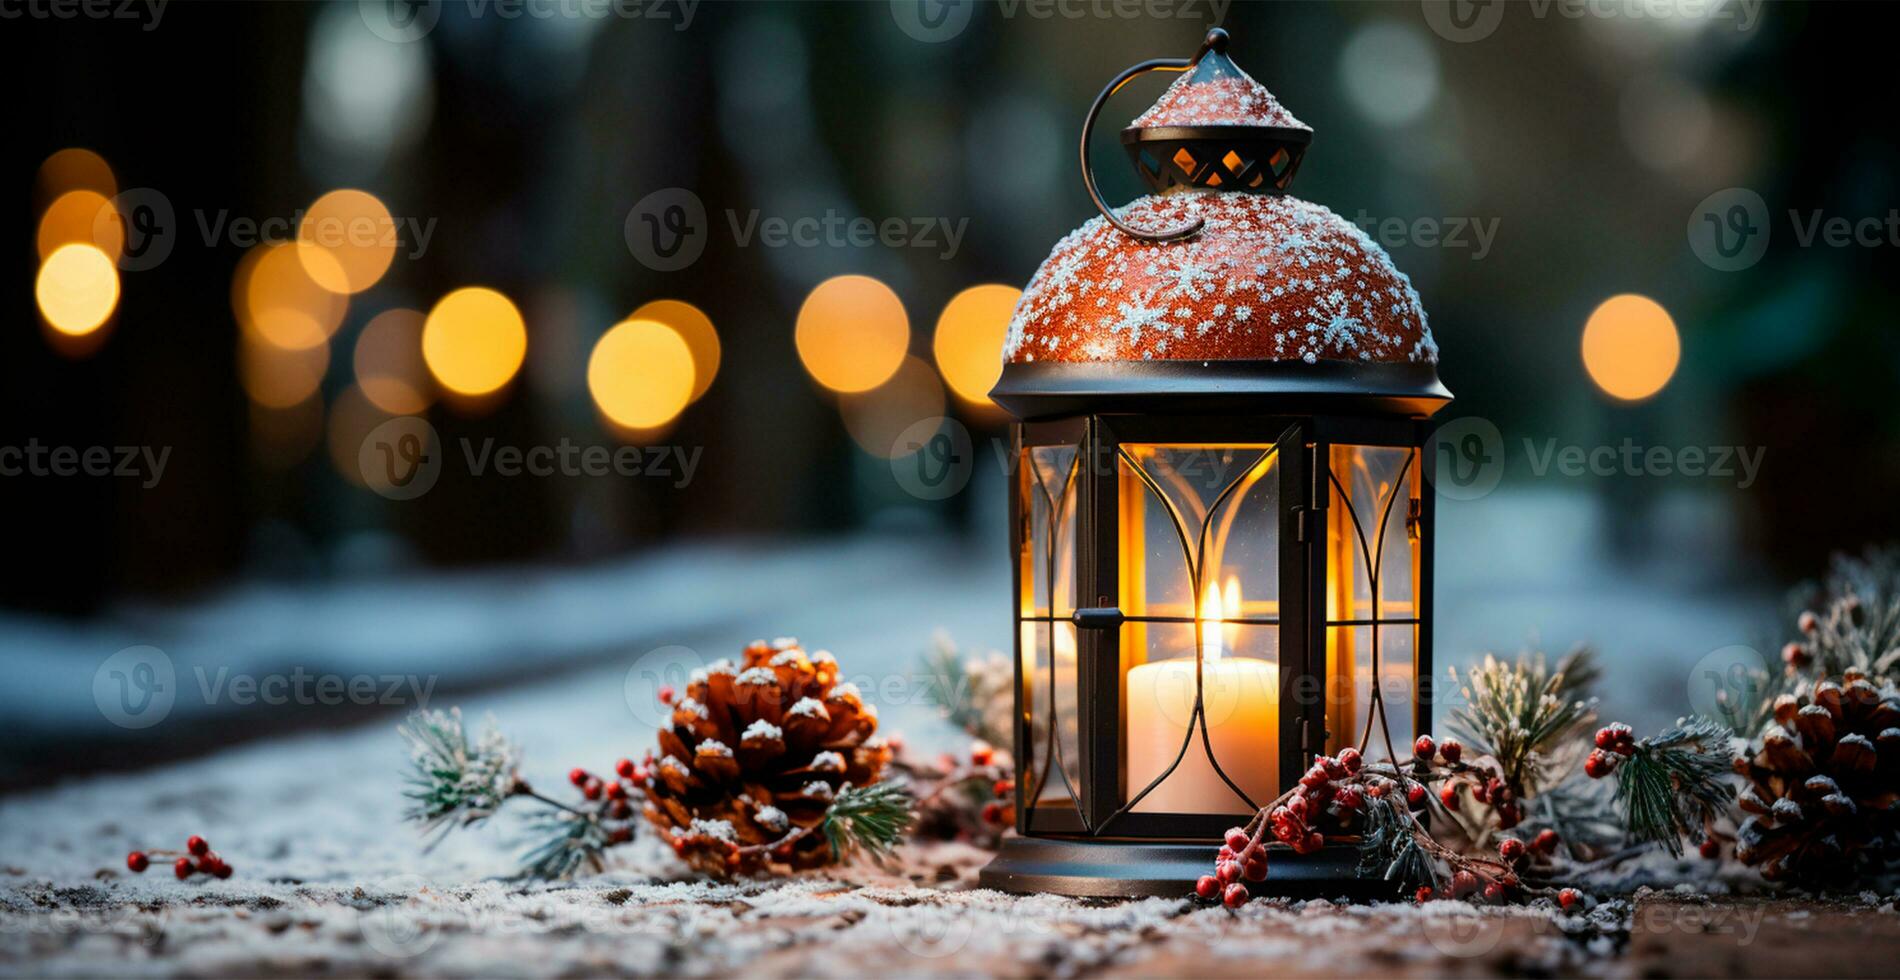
{"x":1215,"y":128}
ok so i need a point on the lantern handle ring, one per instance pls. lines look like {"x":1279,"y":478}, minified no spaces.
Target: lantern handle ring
{"x":1216,"y":40}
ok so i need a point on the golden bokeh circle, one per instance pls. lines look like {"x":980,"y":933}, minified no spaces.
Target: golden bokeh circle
{"x":852,"y":333}
{"x":474,"y":341}
{"x":694,"y":327}
{"x":346,"y":240}
{"x":1630,"y":347}
{"x":968,"y":344}
{"x":77,"y":288}
{"x":641,"y":374}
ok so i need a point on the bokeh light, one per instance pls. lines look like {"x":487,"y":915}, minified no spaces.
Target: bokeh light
{"x":346,"y":241}
{"x":877,"y":418}
{"x":969,"y":341}
{"x":77,"y":288}
{"x":76,"y":169}
{"x":1389,"y":72}
{"x":474,"y":341}
{"x":276,"y":377}
{"x":388,"y":363}
{"x":83,"y":216}
{"x":1630,"y":347}
{"x":852,"y":333}
{"x":278,"y":302}
{"x":641,"y":374}
{"x":694,"y":327}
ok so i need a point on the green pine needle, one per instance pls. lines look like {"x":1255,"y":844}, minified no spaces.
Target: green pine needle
{"x":453,"y":782}
{"x":1521,"y":712}
{"x":872,"y":817}
{"x":570,"y":842}
{"x":1675,"y":782}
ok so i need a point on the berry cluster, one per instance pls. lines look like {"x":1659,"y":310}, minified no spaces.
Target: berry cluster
{"x":613,"y":794}
{"x":1614,"y":741}
{"x":1486,"y":784}
{"x":197,"y":858}
{"x":1242,"y":855}
{"x":1488,"y":881}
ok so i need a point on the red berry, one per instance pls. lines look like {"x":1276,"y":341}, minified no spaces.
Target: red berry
{"x":1207,"y":887}
{"x":615,"y":791}
{"x":1510,"y":849}
{"x":1377,"y":790}
{"x":1235,"y":896}
{"x":1312,"y":844}
{"x":667,"y":694}
{"x":137,"y":861}
{"x":222,"y":871}
{"x":1415,"y":796}
{"x":577,"y":776}
{"x":1236,"y":839}
{"x":620,"y":810}
{"x":1351,"y":759}
{"x":1451,"y":751}
{"x":1794,"y":655}
{"x":1225,"y":854}
{"x":1349,"y":799}
{"x":1481,"y":792}
{"x":1314,"y":777}
{"x":196,"y":845}
{"x":1463,"y":883}
{"x":591,"y":788}
{"x":1423,"y":748}
{"x":1228,"y":872}
{"x":981,"y":753}
{"x":1423,"y":895}
{"x":182,"y":868}
{"x":1545,"y":842}
{"x":1597,"y":765}
{"x":1254,"y":869}
{"x":1711,"y":848}
{"x":1004,"y":787}
{"x":1808,"y":622}
{"x":1569,"y":897}
{"x":1509,"y":816}
{"x":1508,"y":880}
{"x":1298,"y":807}
{"x":624,"y":769}
{"x":993,"y":812}
{"x":1493,"y":892}
{"x":1448,"y":795}
{"x":1333,"y":767}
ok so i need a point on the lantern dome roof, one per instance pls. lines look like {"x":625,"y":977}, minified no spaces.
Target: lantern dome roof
{"x":1218,"y":93}
{"x":1269,"y":277}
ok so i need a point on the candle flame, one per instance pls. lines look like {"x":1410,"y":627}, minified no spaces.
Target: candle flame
{"x":1213,"y":610}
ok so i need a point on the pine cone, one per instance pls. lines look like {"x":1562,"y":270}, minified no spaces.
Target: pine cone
{"x":756,"y":750}
{"x":1823,"y":781}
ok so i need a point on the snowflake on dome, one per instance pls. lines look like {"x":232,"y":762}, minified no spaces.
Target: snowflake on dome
{"x":1270,"y":277}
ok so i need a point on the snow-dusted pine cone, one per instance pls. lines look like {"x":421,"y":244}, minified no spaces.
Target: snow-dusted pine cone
{"x":755,"y":750}
{"x":1823,"y":781}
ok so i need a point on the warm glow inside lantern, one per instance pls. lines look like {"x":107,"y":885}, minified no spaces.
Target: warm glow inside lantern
{"x":1220,"y":509}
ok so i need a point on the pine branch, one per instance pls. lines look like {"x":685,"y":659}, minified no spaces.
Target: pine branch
{"x":1389,"y":847}
{"x":1522,"y":712}
{"x":573,"y":841}
{"x":1675,"y":782}
{"x":974,"y":689}
{"x":452,"y":782}
{"x":871,"y":817}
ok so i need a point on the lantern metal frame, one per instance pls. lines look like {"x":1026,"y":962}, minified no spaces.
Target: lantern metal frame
{"x":1101,"y":846}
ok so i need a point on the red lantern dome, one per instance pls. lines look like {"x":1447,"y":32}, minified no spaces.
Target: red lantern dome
{"x":1220,"y":266}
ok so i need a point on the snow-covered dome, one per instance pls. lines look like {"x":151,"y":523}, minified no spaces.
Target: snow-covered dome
{"x":1269,"y":277}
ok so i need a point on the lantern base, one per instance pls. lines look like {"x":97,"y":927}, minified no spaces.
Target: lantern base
{"x":1125,"y":869}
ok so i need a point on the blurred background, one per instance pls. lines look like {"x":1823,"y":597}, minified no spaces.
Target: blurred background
{"x":246,"y":236}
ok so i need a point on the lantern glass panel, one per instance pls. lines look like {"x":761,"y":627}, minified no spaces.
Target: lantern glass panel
{"x":1199,"y":520}
{"x":1372,"y":600}
{"x":1050,"y":699}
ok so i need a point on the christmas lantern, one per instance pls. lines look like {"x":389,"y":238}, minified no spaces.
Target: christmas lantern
{"x":1220,"y":512}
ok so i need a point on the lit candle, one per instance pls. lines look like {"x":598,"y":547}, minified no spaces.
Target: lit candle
{"x":1241,"y":698}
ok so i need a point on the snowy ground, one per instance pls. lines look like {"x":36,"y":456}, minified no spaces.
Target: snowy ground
{"x":330,"y":881}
